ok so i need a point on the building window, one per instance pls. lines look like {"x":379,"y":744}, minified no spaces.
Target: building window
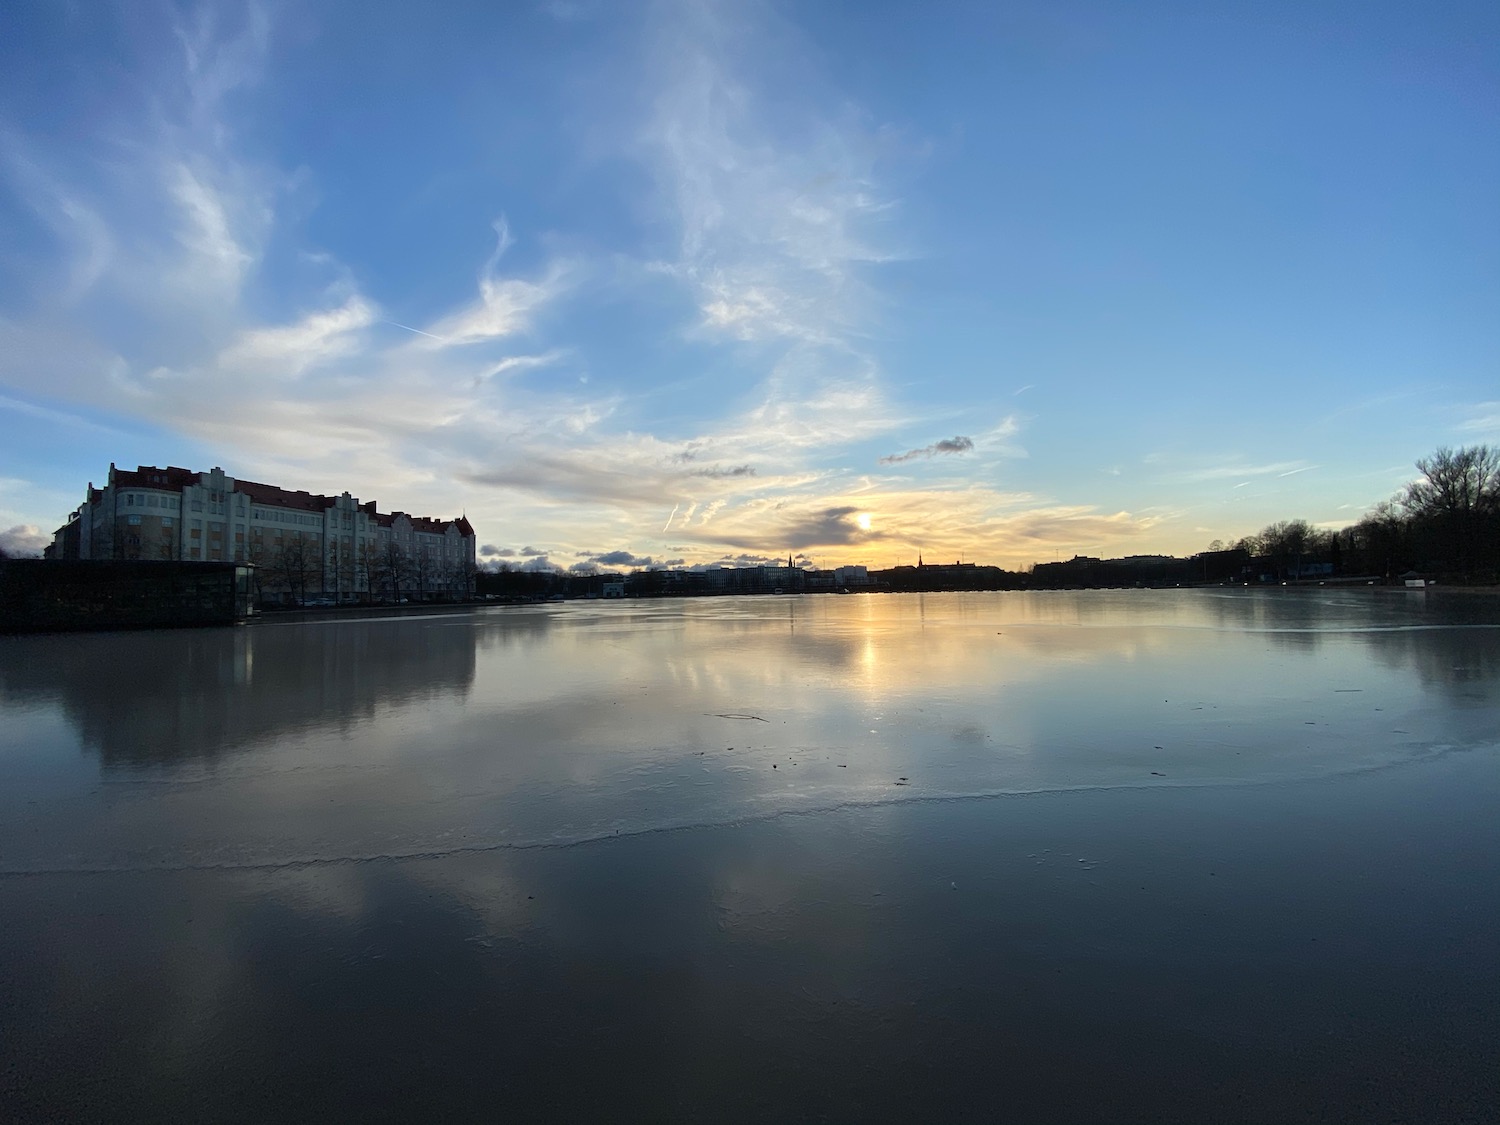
{"x":133,"y":520}
{"x":196,"y":533}
{"x":166,"y":521}
{"x":129,"y":500}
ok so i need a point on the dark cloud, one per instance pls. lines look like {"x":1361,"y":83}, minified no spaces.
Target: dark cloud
{"x":959,"y":444}
{"x":623,"y":558}
{"x":832,"y":527}
{"x":558,"y":474}
{"x":719,"y":472}
{"x":744,"y":559}
{"x":532,"y":553}
{"x":490,"y":551}
{"x":1079,"y":527}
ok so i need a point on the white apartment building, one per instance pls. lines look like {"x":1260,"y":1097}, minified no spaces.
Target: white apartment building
{"x":304,"y":545}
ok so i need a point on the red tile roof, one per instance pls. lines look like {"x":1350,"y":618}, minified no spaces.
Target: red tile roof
{"x":275,"y":497}
{"x":174,"y":479}
{"x":171,"y":478}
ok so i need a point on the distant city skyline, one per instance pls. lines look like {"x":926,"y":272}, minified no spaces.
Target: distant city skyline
{"x":681,"y":282}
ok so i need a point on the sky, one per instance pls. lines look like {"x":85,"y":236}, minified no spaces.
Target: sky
{"x":695,"y":282}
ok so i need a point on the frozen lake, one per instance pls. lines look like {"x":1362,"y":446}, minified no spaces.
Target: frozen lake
{"x":1136,"y":855}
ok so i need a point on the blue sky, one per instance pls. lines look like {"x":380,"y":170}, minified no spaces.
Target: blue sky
{"x":700,"y":281}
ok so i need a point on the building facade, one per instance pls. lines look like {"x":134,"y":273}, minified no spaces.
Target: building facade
{"x":305,"y":546}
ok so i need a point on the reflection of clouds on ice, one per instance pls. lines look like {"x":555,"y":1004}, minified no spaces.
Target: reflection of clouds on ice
{"x":500,"y":729}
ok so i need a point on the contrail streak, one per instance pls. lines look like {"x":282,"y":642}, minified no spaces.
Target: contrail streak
{"x":670,"y":518}
{"x":418,"y":331}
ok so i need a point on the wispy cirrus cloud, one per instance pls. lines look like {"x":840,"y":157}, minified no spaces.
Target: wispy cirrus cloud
{"x":287,"y":350}
{"x":1482,"y":421}
{"x":1240,"y":470}
{"x":215,"y":229}
{"x":505,"y":305}
{"x":73,"y":221}
{"x":774,"y":231}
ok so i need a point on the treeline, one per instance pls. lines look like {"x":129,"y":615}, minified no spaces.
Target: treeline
{"x":1444,"y":525}
{"x":297,"y":571}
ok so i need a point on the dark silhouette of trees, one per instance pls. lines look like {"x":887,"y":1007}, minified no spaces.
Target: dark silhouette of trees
{"x":1289,"y":543}
{"x":340,"y":573}
{"x":391,"y":568}
{"x":420,"y":568}
{"x":1454,"y":507}
{"x":296,"y":564}
{"x":1445,"y":523}
{"x":1456,"y":482}
{"x":462,"y":579}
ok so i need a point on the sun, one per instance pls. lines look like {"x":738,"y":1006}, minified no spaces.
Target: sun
{"x":863,"y":519}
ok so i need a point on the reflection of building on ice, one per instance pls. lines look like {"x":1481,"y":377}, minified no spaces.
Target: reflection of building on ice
{"x":304,"y":544}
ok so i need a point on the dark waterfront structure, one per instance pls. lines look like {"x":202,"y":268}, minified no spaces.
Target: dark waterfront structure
{"x":45,"y":595}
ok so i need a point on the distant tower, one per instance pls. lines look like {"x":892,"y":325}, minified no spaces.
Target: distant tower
{"x":919,"y":561}
{"x":789,"y":560}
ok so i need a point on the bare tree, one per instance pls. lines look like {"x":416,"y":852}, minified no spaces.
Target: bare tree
{"x":1456,"y":483}
{"x":296,"y":565}
{"x":1455,"y":506}
{"x":367,"y":563}
{"x":421,"y":570}
{"x":263,"y":575}
{"x":465,"y":579}
{"x":392,"y":568}
{"x":341,"y":568}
